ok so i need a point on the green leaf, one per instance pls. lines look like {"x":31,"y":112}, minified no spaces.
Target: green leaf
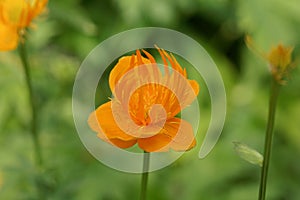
{"x":247,"y":153}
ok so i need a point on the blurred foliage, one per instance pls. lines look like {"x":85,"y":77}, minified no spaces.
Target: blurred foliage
{"x":72,"y":28}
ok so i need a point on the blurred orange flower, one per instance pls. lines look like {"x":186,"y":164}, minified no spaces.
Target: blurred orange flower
{"x":280,"y":62}
{"x":144,"y":105}
{"x":279,"y":58}
{"x":15,"y":16}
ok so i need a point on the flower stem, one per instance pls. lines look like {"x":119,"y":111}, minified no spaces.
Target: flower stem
{"x":145,"y":175}
{"x":268,"y":138}
{"x":34,"y":133}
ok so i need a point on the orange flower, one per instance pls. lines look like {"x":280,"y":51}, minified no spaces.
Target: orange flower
{"x":144,"y":105}
{"x":279,"y":59}
{"x":15,"y":16}
{"x":280,"y":62}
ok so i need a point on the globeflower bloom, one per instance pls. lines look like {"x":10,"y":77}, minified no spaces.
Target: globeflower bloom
{"x":145,"y":103}
{"x":279,"y":59}
{"x":280,"y":62}
{"x":15,"y":16}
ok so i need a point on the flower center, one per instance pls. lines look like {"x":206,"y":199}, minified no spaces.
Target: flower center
{"x":152,"y":103}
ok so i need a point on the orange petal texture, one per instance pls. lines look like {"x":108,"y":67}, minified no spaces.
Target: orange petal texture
{"x":125,"y":64}
{"x":103,"y":116}
{"x":103,"y":122}
{"x":145,"y":103}
{"x":176,"y":134}
{"x":8,"y":38}
{"x":16,"y":15}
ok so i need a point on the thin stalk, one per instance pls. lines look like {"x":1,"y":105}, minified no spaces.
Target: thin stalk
{"x":268,"y":139}
{"x":145,"y":176}
{"x":34,"y":133}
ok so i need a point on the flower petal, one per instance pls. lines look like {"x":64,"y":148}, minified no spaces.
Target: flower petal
{"x":102,"y":121}
{"x":20,"y":13}
{"x":176,"y":134}
{"x":38,"y":8}
{"x":14,"y":11}
{"x":9,"y":37}
{"x":138,"y":90}
{"x":182,"y":135}
{"x":157,"y":143}
{"x":121,"y":143}
{"x":194,"y":84}
{"x":125,"y":64}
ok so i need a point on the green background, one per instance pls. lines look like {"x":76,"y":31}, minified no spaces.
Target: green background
{"x":72,"y":28}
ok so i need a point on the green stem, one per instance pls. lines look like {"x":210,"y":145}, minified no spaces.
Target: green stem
{"x":268,"y":138}
{"x":145,"y":175}
{"x":34,"y":133}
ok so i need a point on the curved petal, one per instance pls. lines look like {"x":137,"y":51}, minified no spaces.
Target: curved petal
{"x":102,"y":121}
{"x":38,"y":8}
{"x":194,"y":84}
{"x":182,"y":92}
{"x":132,"y":126}
{"x":117,"y":142}
{"x":19,"y":12}
{"x":177,"y":134}
{"x":13,"y":11}
{"x":182,"y":135}
{"x":9,"y":38}
{"x":140,"y":89}
{"x":157,"y":143}
{"x":125,"y":64}
{"x":121,"y":143}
